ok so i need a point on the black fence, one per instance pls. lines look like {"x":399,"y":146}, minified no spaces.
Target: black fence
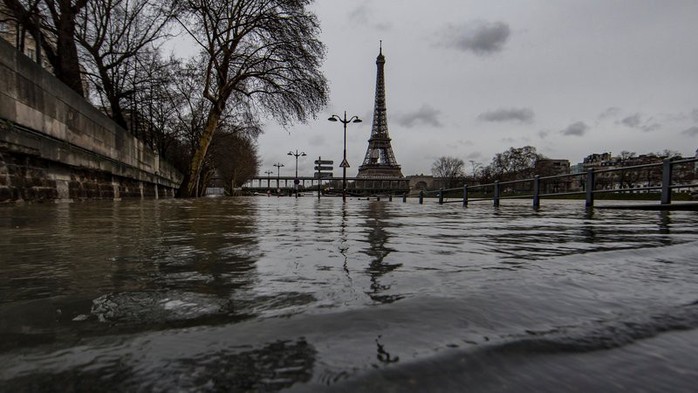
{"x":592,"y":183}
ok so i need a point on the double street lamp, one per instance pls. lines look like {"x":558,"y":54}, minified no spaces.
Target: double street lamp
{"x":295,"y":180}
{"x":278,"y":166}
{"x":345,"y":163}
{"x":268,"y":173}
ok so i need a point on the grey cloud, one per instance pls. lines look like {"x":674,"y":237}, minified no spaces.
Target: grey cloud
{"x":481,"y":38}
{"x":632,"y":121}
{"x":694,"y":115}
{"x":577,"y":129}
{"x":693,"y":131}
{"x":474,"y":155}
{"x":636,"y":121}
{"x":543,"y":134}
{"x":609,"y":112}
{"x":363,"y":16}
{"x":426,"y":115}
{"x":317,"y":141}
{"x":522,"y":115}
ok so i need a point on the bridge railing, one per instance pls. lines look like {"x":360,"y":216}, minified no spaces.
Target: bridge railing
{"x":593,"y":182}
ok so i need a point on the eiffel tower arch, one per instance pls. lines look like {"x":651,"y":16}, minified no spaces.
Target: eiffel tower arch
{"x":379,"y":162}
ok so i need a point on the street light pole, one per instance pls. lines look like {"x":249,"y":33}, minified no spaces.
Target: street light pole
{"x":295,"y":180}
{"x":345,"y":163}
{"x":278,"y":166}
{"x":268,"y":173}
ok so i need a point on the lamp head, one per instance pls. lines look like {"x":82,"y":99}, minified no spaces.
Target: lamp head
{"x":357,"y":120}
{"x":333,"y":118}
{"x":303,"y":154}
{"x":289,"y":153}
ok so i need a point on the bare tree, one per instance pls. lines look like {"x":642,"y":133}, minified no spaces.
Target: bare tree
{"x":515,"y":163}
{"x":264,"y":52}
{"x":119,"y":37}
{"x":449,"y":169}
{"x":235,"y":157}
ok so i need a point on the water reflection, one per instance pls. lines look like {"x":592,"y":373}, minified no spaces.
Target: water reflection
{"x":158,"y":291}
{"x":378,"y":237}
{"x":271,"y":368}
{"x":151,"y":264}
{"x":344,"y":244}
{"x":383,"y":355}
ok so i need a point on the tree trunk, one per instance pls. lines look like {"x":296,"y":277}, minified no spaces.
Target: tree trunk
{"x":68,"y":67}
{"x":190,"y":188}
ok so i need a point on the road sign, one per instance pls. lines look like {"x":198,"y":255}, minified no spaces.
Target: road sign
{"x":322,"y":175}
{"x":323,"y":168}
{"x":324,"y":162}
{"x":344,"y":164}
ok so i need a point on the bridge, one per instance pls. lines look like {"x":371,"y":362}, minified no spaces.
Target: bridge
{"x":355,"y":185}
{"x":54,"y":145}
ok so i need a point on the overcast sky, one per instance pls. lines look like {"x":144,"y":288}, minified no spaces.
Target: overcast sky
{"x":469,"y":79}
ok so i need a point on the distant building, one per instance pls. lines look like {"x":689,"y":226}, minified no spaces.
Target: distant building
{"x":11,"y":31}
{"x":640,"y":171}
{"x":546,"y":167}
{"x":551,"y":167}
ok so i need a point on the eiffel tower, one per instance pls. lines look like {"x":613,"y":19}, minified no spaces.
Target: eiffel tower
{"x":380,"y":161}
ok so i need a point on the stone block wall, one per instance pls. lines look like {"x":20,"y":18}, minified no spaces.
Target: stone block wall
{"x":56,"y":145}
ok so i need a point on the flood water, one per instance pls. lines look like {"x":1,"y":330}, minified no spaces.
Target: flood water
{"x":269,"y":294}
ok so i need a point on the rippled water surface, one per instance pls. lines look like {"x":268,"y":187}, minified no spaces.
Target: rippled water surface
{"x":269,"y":294}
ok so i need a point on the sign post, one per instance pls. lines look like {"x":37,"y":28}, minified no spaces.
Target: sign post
{"x":320,"y":166}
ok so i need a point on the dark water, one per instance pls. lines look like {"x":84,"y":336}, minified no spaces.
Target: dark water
{"x":267,"y":294}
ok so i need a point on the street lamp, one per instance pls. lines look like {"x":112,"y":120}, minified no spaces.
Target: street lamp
{"x":268,"y":173}
{"x":296,"y":181}
{"x":278,"y":166}
{"x":344,"y":164}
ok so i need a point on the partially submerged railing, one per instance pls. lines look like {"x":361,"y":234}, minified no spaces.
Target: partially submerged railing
{"x":589,"y":179}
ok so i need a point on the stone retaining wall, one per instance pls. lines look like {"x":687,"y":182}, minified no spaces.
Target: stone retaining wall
{"x":56,"y":145}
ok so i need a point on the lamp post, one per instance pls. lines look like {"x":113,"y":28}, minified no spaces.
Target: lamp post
{"x":345,"y":164}
{"x":295,"y":180}
{"x":278,"y":166}
{"x":268,"y":173}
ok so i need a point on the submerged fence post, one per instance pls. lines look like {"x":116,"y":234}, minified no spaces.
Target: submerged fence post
{"x":666,"y":181}
{"x":465,"y":195}
{"x":590,"y":188}
{"x":496,"y":193}
{"x":441,"y":196}
{"x":421,"y":197}
{"x":536,"y":192}
{"x":390,"y":197}
{"x":404,"y":197}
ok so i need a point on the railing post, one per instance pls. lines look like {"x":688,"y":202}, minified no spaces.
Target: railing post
{"x":441,"y":196}
{"x":421,"y":197}
{"x":390,"y":197}
{"x":536,"y":192}
{"x":404,"y":197}
{"x":590,"y":188}
{"x":666,"y":181}
{"x":465,"y":195}
{"x":496,"y":193}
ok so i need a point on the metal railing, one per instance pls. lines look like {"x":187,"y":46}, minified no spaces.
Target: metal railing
{"x":588,"y":179}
